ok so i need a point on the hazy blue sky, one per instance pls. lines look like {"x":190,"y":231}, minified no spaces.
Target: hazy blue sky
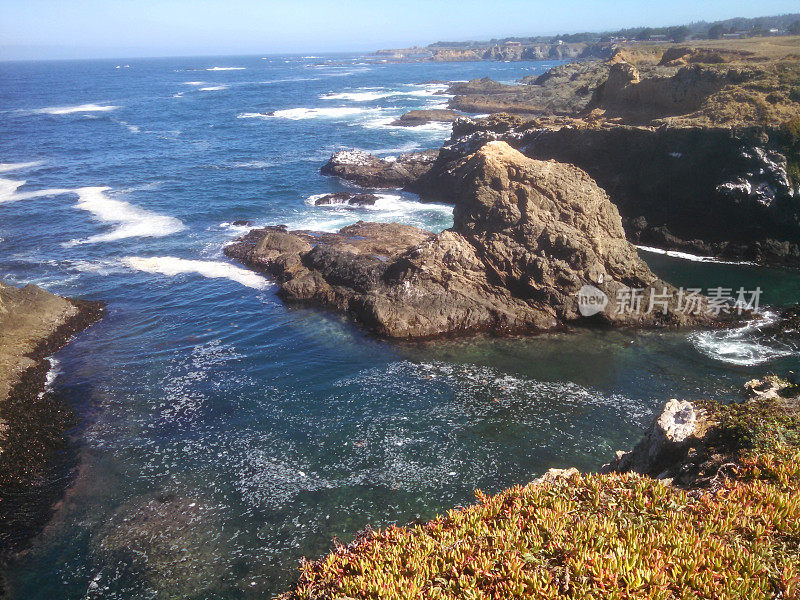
{"x":128,"y":28}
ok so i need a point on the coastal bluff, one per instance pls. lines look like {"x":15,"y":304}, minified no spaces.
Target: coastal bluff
{"x":33,"y":324}
{"x":527,"y":236}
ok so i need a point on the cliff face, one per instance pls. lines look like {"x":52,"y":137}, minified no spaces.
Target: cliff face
{"x":504,"y":52}
{"x":528,"y":236}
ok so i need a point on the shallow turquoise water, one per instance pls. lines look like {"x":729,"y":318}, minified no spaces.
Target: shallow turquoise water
{"x":224,"y":429}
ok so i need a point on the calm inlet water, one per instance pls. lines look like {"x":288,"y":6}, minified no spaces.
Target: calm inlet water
{"x":223,"y":435}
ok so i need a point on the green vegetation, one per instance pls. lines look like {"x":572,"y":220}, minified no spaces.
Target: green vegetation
{"x":619,"y":536}
{"x":791,"y":130}
{"x":746,"y":27}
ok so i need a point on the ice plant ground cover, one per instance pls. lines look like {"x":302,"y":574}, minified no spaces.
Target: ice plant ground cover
{"x":603,"y":536}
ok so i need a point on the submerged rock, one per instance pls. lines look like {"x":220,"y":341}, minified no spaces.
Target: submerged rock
{"x":367,"y":170}
{"x":528,"y":237}
{"x":345,"y":198}
{"x":164,"y":546}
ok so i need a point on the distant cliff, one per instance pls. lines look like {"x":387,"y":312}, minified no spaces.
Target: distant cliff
{"x":505,"y":52}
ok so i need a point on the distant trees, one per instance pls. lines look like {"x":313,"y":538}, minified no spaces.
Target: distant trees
{"x":715,"y":32}
{"x":794,"y":28}
{"x":644,"y":34}
{"x":678,"y":34}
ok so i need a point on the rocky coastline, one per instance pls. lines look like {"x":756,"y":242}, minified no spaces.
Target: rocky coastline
{"x":707,"y":480}
{"x":528,"y":236}
{"x":33,"y":325}
{"x":699,"y":149}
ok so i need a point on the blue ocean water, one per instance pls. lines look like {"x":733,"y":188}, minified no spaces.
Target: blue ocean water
{"x":224,"y":435}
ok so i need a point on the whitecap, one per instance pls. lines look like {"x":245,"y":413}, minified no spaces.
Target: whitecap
{"x":252,"y":164}
{"x":172,"y":266}
{"x":388,"y":208}
{"x":742,"y":346}
{"x":297,"y":114}
{"x":9,"y":191}
{"x":129,"y":220}
{"x":80,"y":108}
{"x":195,"y":83}
{"x":6,"y":167}
{"x":365,"y":96}
{"x":213,"y":88}
{"x":226,"y":69}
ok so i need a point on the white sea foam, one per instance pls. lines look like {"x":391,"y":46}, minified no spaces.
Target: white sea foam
{"x":213,"y":88}
{"x":50,"y":378}
{"x":367,"y":94}
{"x":80,"y":108}
{"x":195,"y":83}
{"x":742,"y":346}
{"x":387,"y":208}
{"x":129,"y":127}
{"x":364,"y":96}
{"x":226,"y":69}
{"x":128,"y":220}
{"x":384,"y":122}
{"x":297,"y":114}
{"x":9,"y":191}
{"x":172,"y":266}
{"x":6,"y":167}
{"x":691,"y":257}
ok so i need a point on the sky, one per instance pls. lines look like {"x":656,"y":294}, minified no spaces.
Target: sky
{"x":52,"y":29}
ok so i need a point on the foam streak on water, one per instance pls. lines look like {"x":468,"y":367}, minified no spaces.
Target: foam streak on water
{"x":743,"y":346}
{"x":172,"y":266}
{"x":128,"y":220}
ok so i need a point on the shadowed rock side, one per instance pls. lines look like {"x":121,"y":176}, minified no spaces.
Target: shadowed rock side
{"x":527,"y":236}
{"x":711,"y":191}
{"x":33,"y":325}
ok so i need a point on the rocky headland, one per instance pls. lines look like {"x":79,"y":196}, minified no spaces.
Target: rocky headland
{"x":697,"y":146}
{"x":527,"y":236}
{"x":33,"y":325}
{"x":504,"y":52}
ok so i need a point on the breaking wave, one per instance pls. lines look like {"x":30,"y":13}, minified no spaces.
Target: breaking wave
{"x":68,"y":110}
{"x":744,"y":346}
{"x":172,"y":266}
{"x":129,"y":220}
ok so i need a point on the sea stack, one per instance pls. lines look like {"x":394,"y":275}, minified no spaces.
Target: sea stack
{"x":528,"y":236}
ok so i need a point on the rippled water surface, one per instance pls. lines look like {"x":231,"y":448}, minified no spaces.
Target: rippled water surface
{"x":223,"y":435}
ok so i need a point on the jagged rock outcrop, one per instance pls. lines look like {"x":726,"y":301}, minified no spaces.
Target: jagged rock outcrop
{"x":696,"y":444}
{"x":711,"y":191}
{"x":528,"y":236}
{"x":504,"y":52}
{"x":367,"y":170}
{"x":666,"y":442}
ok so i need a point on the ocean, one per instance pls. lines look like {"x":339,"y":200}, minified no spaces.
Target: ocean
{"x":222,"y":435}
